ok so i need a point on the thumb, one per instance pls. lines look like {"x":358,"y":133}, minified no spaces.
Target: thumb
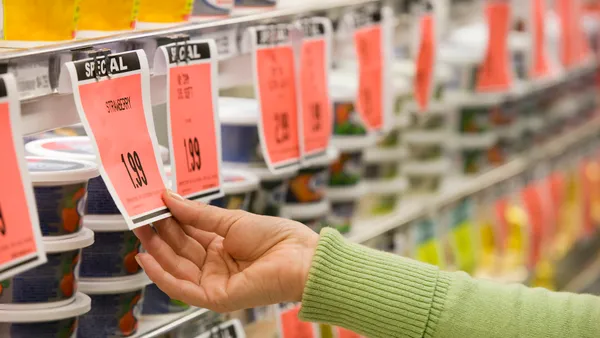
{"x":201,"y":215}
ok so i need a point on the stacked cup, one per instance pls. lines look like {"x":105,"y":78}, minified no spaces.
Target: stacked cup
{"x":46,"y":297}
{"x":240,"y":144}
{"x":110,"y":275}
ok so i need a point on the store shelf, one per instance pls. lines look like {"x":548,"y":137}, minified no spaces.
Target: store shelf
{"x":456,"y":189}
{"x":150,"y":327}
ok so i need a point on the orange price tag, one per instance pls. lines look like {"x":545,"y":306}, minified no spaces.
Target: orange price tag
{"x":495,"y":72}
{"x":369,"y":49}
{"x":112,"y":98}
{"x":194,"y":127}
{"x":584,"y":50}
{"x":568,"y":32}
{"x":20,"y":237}
{"x":316,"y":120}
{"x":425,"y":61}
{"x":533,"y":206}
{"x":275,"y":86}
{"x":540,"y":65}
{"x":291,"y":326}
{"x":344,"y":333}
{"x":500,"y":208}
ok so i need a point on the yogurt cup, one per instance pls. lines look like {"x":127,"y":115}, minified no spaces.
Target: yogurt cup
{"x":59,"y":186}
{"x":116,"y":307}
{"x":425,"y":178}
{"x":474,"y":113}
{"x":157,"y":13}
{"x":270,"y":196}
{"x":383,"y":164}
{"x":98,"y":201}
{"x":344,"y":203}
{"x":114,"y":249}
{"x":158,"y":303}
{"x":44,"y":322}
{"x":425,"y":146}
{"x":238,"y":187}
{"x":52,"y":284}
{"x":476,"y":153}
{"x":310,"y":183}
{"x":436,"y":117}
{"x":347,"y":170}
{"x":382,"y":198}
{"x":346,"y":119}
{"x":312,"y":215}
{"x":112,"y":17}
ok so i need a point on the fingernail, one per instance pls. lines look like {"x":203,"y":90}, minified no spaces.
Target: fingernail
{"x":137,"y":259}
{"x":175,"y":195}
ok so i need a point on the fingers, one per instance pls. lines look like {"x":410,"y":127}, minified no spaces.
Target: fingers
{"x":178,"y":289}
{"x":201,"y":236}
{"x":185,"y":246}
{"x":202,"y":216}
{"x":176,"y":265}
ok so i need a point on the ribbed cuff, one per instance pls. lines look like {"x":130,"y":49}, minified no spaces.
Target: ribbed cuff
{"x":372,"y":293}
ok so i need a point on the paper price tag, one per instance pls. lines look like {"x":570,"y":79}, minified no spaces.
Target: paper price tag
{"x":192,"y":115}
{"x":112,"y":96}
{"x":495,"y":74}
{"x":275,"y":87}
{"x":315,"y":105}
{"x":539,"y":66}
{"x":424,"y":76}
{"x":533,"y":206}
{"x":568,"y":32}
{"x":290,"y":325}
{"x":21,"y":245}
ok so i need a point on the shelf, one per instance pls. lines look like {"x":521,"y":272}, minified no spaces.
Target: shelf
{"x":155,"y":326}
{"x":456,"y":189}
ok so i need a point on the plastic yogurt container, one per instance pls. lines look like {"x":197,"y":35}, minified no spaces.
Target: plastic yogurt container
{"x":116,"y":307}
{"x":344,"y":203}
{"x":157,"y":303}
{"x":475,"y":152}
{"x":347,"y":170}
{"x":52,"y":284}
{"x":270,"y":196}
{"x":425,"y":177}
{"x":383,"y":164}
{"x":425,"y":146}
{"x":114,"y":250}
{"x":312,"y":215}
{"x":59,"y":186}
{"x":310,"y":183}
{"x":475,"y":112}
{"x":98,"y":201}
{"x":44,"y":322}
{"x":434,"y":119}
{"x":238,"y":187}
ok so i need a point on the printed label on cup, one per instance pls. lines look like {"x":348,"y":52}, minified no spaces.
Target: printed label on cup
{"x":495,"y":74}
{"x":194,"y":126}
{"x":112,"y":96}
{"x":21,"y":246}
{"x":315,"y":105}
{"x":275,"y":88}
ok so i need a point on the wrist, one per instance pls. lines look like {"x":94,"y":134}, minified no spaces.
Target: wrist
{"x":309,"y":248}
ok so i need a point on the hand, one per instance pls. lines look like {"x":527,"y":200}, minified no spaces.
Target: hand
{"x":226,"y":260}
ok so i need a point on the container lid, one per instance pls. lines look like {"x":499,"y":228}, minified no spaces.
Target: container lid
{"x":105,"y":223}
{"x":263,"y":173}
{"x":305,"y":211}
{"x":477,"y":141}
{"x":238,"y":181}
{"x":439,"y":167}
{"x":84,"y":238}
{"x":340,"y":194}
{"x":103,"y":286}
{"x":238,"y":111}
{"x":384,"y":155}
{"x":48,"y":170}
{"x":397,"y":185}
{"x":80,"y":305}
{"x":72,"y":147}
{"x":353,"y":143}
{"x":426,"y":137}
{"x":331,"y":156}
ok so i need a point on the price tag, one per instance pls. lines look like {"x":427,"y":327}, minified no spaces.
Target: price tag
{"x":495,"y":74}
{"x":275,"y":87}
{"x":568,"y":34}
{"x":424,"y":76}
{"x":344,"y":333}
{"x":539,"y":66}
{"x":289,"y":324}
{"x":113,"y":101}
{"x":194,"y":126}
{"x":315,"y":105}
{"x":21,"y":245}
{"x":532,"y":202}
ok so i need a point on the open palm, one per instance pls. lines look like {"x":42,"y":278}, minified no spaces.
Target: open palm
{"x":226,"y":260}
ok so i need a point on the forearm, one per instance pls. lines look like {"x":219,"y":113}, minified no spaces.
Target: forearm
{"x":381,"y":295}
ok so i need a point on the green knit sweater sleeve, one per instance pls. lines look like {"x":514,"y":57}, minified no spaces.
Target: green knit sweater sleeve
{"x":381,"y":295}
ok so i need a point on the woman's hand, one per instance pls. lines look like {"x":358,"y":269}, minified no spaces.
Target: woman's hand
{"x":226,"y":260}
